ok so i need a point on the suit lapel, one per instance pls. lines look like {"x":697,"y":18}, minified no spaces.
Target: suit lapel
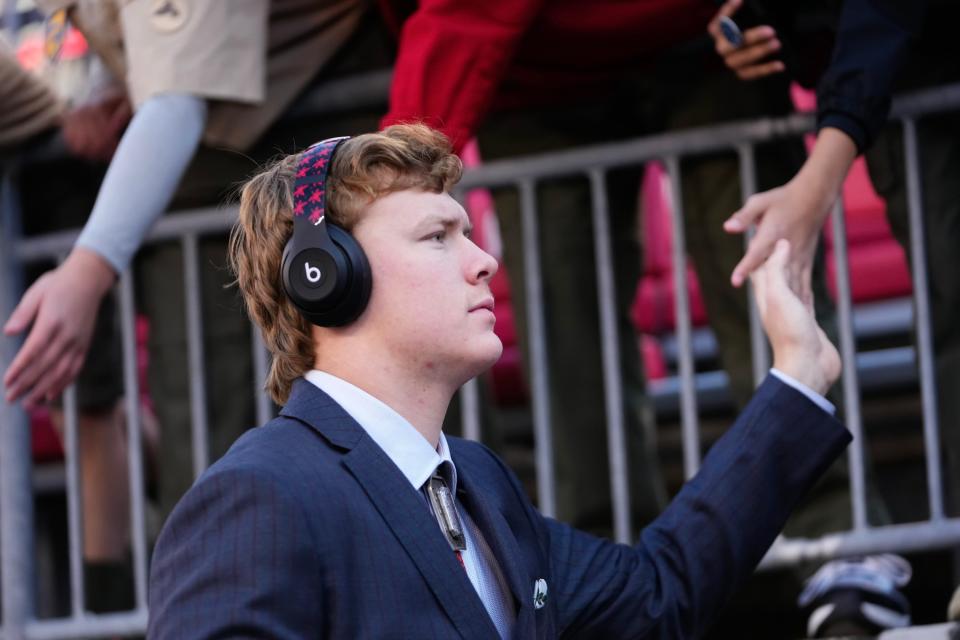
{"x":503,"y":542}
{"x":406,"y":513}
{"x":408,"y":517}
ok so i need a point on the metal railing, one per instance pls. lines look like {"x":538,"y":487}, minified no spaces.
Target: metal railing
{"x":16,"y":522}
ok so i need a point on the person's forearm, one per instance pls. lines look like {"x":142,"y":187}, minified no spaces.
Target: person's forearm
{"x":143,"y":176}
{"x":825,"y":170}
{"x":872,"y":42}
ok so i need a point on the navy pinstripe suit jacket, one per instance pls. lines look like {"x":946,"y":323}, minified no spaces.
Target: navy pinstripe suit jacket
{"x":306,"y":529}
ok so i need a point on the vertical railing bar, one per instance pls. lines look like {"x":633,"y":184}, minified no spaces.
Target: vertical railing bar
{"x":134,"y":447}
{"x":688,"y":399}
{"x":470,"y":409}
{"x":851,"y":383}
{"x":760,"y":356}
{"x":195,"y":357}
{"x":918,"y":259}
{"x":610,"y":352}
{"x":261,"y":360}
{"x":539,"y":372}
{"x":16,"y":490}
{"x":74,"y":509}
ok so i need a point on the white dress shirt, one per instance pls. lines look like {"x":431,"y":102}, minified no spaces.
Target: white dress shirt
{"x":417,"y":461}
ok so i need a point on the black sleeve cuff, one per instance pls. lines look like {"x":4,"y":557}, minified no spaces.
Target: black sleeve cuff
{"x":846,"y":123}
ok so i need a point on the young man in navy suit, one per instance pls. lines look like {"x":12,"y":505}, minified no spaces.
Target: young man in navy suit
{"x":352,"y":516}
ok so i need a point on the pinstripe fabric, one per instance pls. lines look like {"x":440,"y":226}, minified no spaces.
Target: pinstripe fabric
{"x":307,"y":529}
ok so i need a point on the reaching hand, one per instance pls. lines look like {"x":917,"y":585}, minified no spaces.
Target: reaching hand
{"x":779,"y":213}
{"x":800,"y":347}
{"x":750,"y":60}
{"x":62,"y":308}
{"x":795,"y":211}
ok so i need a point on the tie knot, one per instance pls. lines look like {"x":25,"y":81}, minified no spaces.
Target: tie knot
{"x":445,"y":472}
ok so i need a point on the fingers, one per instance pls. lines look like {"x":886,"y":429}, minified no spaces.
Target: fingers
{"x":26,"y":310}
{"x":806,"y":289}
{"x":31,"y":360}
{"x":727,"y":10}
{"x":34,"y":380}
{"x":751,"y":211}
{"x":766,"y":43}
{"x":758,"y":280}
{"x":53,"y":382}
{"x":757,"y":253}
{"x":761,"y":70}
{"x":779,"y":261}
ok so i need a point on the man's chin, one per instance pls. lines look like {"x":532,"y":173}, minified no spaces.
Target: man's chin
{"x":486,"y":357}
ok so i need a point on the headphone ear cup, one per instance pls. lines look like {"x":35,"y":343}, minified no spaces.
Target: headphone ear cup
{"x":341,"y":290}
{"x":359,"y":279}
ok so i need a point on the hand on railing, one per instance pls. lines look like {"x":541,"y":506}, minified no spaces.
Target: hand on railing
{"x":62,"y":308}
{"x":795,"y":211}
{"x":749,"y":59}
{"x":800,"y":347}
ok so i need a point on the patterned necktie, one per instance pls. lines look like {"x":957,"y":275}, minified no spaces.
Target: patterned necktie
{"x":445,"y":511}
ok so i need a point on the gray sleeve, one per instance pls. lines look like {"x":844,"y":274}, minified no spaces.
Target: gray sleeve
{"x":143,"y":175}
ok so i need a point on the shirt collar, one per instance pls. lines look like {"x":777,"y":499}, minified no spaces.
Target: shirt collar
{"x":402,"y":443}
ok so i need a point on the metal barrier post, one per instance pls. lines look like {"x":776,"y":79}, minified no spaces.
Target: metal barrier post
{"x":610,"y":345}
{"x":74,"y":503}
{"x":688,"y":391}
{"x":539,"y":372}
{"x":16,"y":492}
{"x":848,"y":353}
{"x":131,"y":388}
{"x":261,"y":366}
{"x":921,"y":296}
{"x":197,"y":367}
{"x":470,"y":409}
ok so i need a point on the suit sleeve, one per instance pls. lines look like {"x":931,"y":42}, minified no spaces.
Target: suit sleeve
{"x":451,"y":60}
{"x":711,"y":537}
{"x":871,"y":46}
{"x":235,"y":559}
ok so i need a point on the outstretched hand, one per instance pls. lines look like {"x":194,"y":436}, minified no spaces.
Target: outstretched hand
{"x":796,"y":211}
{"x":60,"y":308}
{"x":781,"y":213}
{"x":751,"y":60}
{"x":800,"y":347}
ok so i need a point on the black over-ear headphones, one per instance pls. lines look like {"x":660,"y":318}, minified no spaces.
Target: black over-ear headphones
{"x":325,"y":272}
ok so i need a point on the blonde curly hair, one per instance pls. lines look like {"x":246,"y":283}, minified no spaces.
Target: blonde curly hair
{"x":404,"y":156}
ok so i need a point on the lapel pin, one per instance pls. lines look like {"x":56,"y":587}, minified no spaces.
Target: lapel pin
{"x":539,"y":593}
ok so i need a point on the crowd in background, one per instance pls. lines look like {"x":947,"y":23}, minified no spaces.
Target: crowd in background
{"x":177,"y":101}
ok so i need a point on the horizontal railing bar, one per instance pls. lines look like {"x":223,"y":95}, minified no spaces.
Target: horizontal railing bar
{"x":202,"y":221}
{"x":896,"y":538}
{"x":509,"y":172}
{"x":89,"y":625}
{"x":694,"y":141}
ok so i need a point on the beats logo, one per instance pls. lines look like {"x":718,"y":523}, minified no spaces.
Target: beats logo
{"x":312,"y":273}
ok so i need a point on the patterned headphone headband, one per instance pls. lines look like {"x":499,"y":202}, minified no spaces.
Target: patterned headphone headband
{"x":325,"y":272}
{"x":309,"y":193}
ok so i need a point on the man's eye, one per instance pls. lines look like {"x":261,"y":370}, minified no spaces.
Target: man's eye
{"x":438,"y":236}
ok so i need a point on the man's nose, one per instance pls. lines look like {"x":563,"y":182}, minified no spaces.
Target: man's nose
{"x":485,"y":265}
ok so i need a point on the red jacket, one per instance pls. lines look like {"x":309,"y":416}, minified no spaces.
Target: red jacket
{"x":458,"y":59}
